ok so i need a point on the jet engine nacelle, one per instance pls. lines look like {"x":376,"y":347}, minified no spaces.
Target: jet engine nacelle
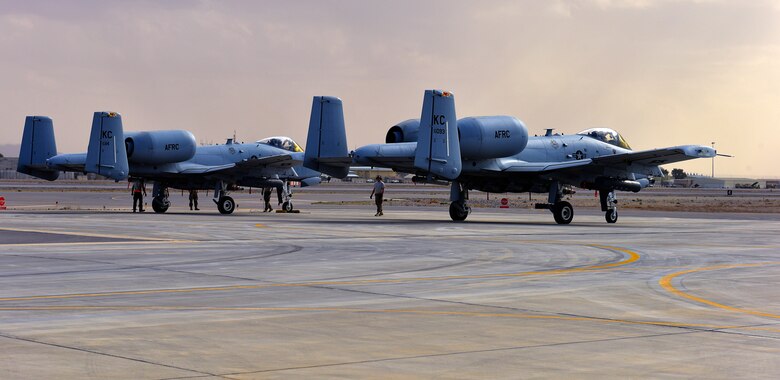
{"x":405,"y":131}
{"x":159,"y":147}
{"x":485,"y":137}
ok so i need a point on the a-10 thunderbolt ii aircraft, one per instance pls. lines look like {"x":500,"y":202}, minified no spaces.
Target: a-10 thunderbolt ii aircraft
{"x":493,"y":154}
{"x":171,"y":159}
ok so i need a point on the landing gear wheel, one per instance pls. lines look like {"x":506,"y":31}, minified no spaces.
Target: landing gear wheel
{"x":611,"y":216}
{"x":563,"y":212}
{"x":459,"y":211}
{"x":287,"y":206}
{"x":226,"y":205}
{"x":160,"y":204}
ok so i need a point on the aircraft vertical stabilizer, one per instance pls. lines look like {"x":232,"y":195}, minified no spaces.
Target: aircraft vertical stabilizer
{"x":326,"y":143}
{"x":38,"y":145}
{"x":106,"y":154}
{"x":438,"y":148}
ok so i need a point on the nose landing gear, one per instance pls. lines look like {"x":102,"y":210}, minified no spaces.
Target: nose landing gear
{"x":609,"y":205}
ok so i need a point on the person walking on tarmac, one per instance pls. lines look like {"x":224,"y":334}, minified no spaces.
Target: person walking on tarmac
{"x":194,"y":199}
{"x":267,"y":199}
{"x":378,"y":195}
{"x":138,"y":192}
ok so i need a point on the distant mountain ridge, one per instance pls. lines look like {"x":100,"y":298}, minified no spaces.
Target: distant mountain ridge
{"x":10,"y":150}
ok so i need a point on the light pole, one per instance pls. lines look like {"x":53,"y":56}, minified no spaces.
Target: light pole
{"x":713,"y":161}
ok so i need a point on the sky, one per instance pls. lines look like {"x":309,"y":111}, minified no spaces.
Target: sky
{"x":661,"y":72}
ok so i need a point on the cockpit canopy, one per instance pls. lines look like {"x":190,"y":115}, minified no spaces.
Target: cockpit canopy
{"x":606,"y":135}
{"x":281,"y":142}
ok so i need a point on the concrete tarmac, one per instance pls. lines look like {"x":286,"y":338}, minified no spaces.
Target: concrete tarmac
{"x":338,"y":293}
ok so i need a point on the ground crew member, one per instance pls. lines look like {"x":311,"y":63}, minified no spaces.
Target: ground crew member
{"x":194,"y":199}
{"x":138,"y":192}
{"x":267,"y":199}
{"x":378,"y":193}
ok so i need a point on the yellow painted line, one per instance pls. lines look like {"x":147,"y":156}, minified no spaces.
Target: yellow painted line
{"x":632,"y":257}
{"x":81,"y":234}
{"x":357,"y":310}
{"x":777,"y":330}
{"x":580,"y":242}
{"x":258,"y":225}
{"x":666,"y":283}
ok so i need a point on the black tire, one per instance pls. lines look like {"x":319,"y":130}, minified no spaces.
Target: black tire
{"x":458,"y":212}
{"x":563,"y":212}
{"x":160,"y":204}
{"x":287,"y":206}
{"x":611,"y":216}
{"x":226,"y":205}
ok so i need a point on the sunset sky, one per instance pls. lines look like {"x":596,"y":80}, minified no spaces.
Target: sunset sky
{"x":662,"y":72}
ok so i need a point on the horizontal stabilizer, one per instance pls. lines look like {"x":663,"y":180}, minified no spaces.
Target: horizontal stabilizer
{"x":106,"y":154}
{"x":337,"y":161}
{"x":38,"y":145}
{"x":326,"y":143}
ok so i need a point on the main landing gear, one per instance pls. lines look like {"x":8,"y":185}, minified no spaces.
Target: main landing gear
{"x":459,"y":196}
{"x":225,"y":204}
{"x":563,"y":212}
{"x":160,"y":202}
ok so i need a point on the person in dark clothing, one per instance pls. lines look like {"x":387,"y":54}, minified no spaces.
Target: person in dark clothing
{"x":138,"y":192}
{"x":194,"y":199}
{"x":378,"y":194}
{"x":267,"y":198}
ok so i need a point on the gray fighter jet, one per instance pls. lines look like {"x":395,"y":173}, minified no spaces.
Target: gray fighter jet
{"x":171,"y":159}
{"x":493,"y":154}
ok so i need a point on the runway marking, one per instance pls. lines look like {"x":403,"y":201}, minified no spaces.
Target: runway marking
{"x":770,"y":329}
{"x":371,"y":311}
{"x":109,"y":236}
{"x":632,"y":257}
{"x":666,"y":283}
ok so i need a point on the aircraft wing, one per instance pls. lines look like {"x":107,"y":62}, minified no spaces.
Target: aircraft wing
{"x":511,"y":165}
{"x":642,"y":159}
{"x":190,"y":168}
{"x":657,"y":157}
{"x":279,"y":160}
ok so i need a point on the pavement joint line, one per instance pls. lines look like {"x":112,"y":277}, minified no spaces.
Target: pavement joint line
{"x":94,"y":352}
{"x":632,"y":257}
{"x":87,"y":234}
{"x":706,"y":327}
{"x":666,"y":283}
{"x":454,"y":353}
{"x":122,"y":242}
